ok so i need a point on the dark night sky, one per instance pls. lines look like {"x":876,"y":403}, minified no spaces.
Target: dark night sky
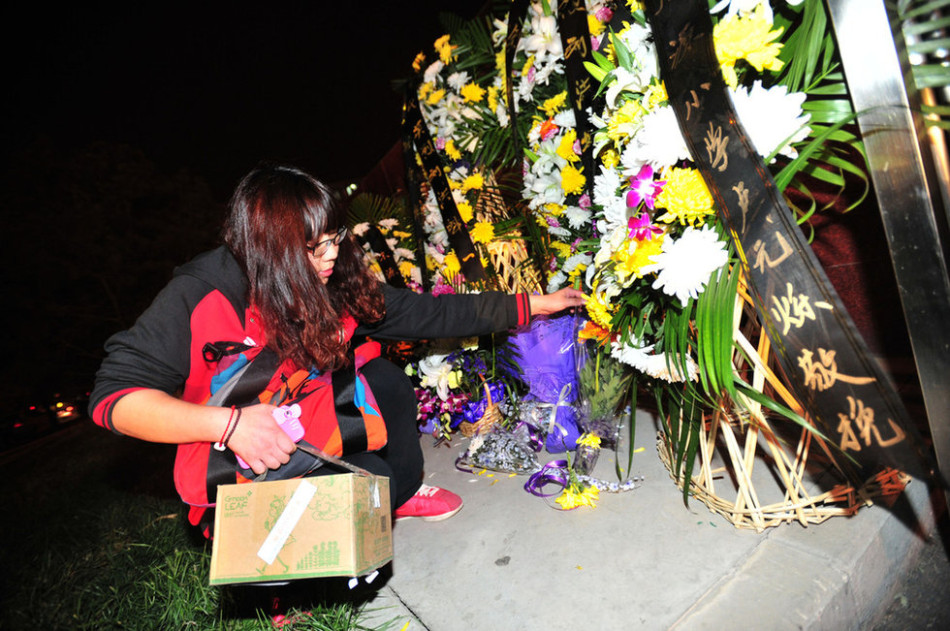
{"x":206,"y":89}
{"x":217,"y":88}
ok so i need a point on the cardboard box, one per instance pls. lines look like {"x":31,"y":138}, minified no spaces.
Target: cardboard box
{"x":332,"y":525}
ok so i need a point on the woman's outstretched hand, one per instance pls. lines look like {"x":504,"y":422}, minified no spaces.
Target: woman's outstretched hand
{"x":558,"y":301}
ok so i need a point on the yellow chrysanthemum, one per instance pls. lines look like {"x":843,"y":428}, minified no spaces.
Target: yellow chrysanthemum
{"x":418,"y":61}
{"x":589,"y":440}
{"x":435,"y":97}
{"x":685,"y":197}
{"x":528,"y":63}
{"x":562,"y":250}
{"x":425,"y":89}
{"x":595,"y":26}
{"x":493,"y":98}
{"x":625,"y":122}
{"x":554,"y":209}
{"x":401,"y":234}
{"x":451,"y":263}
{"x":565,"y":148}
{"x":554,"y":104}
{"x":500,"y":59}
{"x":454,"y":184}
{"x":483,"y":232}
{"x":599,"y":310}
{"x":405,"y":268}
{"x":451,"y":150}
{"x":656,"y":95}
{"x":572,"y":180}
{"x":747,"y":37}
{"x":431,"y":263}
{"x":633,"y":256}
{"x":473,"y":181}
{"x":465,"y":210}
{"x":576,"y":272}
{"x":574,"y":496}
{"x":472,"y":93}
{"x":634,"y":5}
{"x":610,"y":158}
{"x":375,"y":268}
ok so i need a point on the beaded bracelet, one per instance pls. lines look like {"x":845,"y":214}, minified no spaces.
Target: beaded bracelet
{"x":226,"y":435}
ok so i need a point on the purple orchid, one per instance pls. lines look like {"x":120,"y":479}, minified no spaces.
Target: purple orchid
{"x":641,"y":228}
{"x":643,"y":189}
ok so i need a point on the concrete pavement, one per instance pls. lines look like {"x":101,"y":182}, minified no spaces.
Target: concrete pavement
{"x":640,"y":559}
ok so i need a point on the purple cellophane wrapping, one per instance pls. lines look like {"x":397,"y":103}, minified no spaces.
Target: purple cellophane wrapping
{"x":546,"y":347}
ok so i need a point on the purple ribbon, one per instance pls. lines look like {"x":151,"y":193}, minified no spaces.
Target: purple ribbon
{"x":554,"y":472}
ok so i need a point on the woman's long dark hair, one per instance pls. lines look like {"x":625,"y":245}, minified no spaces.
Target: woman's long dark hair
{"x":274,"y":212}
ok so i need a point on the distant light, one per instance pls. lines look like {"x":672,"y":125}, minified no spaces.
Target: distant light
{"x":351,"y":188}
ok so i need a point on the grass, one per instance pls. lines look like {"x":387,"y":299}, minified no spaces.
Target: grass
{"x":94,"y":537}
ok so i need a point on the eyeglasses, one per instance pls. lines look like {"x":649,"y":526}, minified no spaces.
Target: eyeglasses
{"x":320,"y":247}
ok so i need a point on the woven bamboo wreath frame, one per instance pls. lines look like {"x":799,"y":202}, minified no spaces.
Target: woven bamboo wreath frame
{"x":730,"y":448}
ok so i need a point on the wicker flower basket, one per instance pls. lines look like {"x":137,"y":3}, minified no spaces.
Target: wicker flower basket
{"x":489,"y":418}
{"x":758,"y":474}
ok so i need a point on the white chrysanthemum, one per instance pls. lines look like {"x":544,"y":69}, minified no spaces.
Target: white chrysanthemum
{"x":360,"y":228}
{"x":565,"y":118}
{"x":457,"y":79}
{"x":658,"y":367}
{"x":405,"y":254}
{"x":631,"y":353}
{"x":659,"y":143}
{"x":556,"y":281}
{"x":577,"y":217}
{"x":580,"y":258}
{"x":771,"y":117}
{"x":388,"y":223}
{"x":685,"y":264}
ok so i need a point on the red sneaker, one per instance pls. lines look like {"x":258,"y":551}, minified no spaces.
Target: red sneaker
{"x":430,"y":503}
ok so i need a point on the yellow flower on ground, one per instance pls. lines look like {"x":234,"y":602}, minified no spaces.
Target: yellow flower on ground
{"x":554,"y":104}
{"x":685,"y":197}
{"x":572,"y":180}
{"x":472,"y":93}
{"x":451,"y":263}
{"x":747,"y":37}
{"x":435,"y":97}
{"x":451,"y":150}
{"x":574,"y":496}
{"x":565,"y":148}
{"x":483,"y":232}
{"x":465,"y":210}
{"x":473,"y":181}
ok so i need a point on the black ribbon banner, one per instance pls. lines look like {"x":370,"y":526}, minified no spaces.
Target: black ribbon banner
{"x":575,"y":40}
{"x":384,"y":256}
{"x":459,"y":238}
{"x":851,"y":399}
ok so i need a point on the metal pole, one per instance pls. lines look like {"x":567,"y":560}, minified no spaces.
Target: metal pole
{"x":902,"y":172}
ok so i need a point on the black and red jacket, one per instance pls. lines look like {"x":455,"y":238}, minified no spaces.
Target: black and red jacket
{"x":206,"y":302}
